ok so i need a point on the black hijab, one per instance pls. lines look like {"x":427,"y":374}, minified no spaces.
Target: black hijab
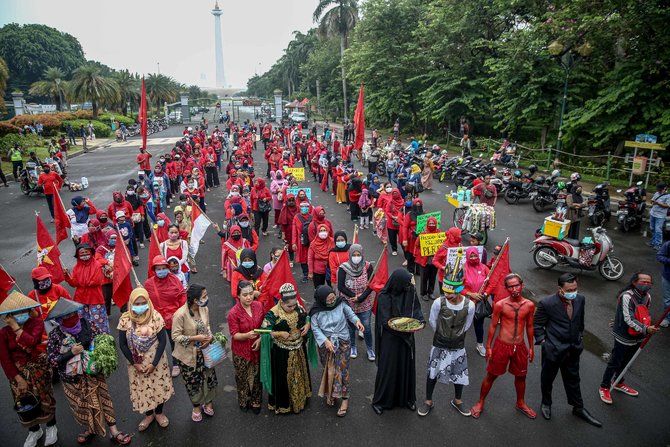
{"x":397,"y":299}
{"x":252,"y":273}
{"x":320,"y":305}
{"x":346,"y":246}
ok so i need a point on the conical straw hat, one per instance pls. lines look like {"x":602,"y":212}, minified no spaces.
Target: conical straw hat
{"x":16,"y":301}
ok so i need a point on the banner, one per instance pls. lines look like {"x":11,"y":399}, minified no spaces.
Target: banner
{"x":294,"y":191}
{"x":430,"y":242}
{"x":453,"y":251}
{"x":422,"y":219}
{"x":297,"y":173}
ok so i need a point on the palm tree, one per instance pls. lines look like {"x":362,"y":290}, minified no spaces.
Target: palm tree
{"x":160,"y":89}
{"x":52,"y":85}
{"x":4,"y":76}
{"x":339,"y":20}
{"x":88,"y":84}
{"x":129,"y":89}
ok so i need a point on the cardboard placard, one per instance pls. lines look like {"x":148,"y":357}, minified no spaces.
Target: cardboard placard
{"x":452,"y":253}
{"x":422,"y":219}
{"x":430,"y":242}
{"x":297,"y":173}
{"x":295,"y":190}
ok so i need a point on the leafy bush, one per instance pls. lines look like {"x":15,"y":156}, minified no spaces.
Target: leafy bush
{"x":25,"y":142}
{"x":83,"y":114}
{"x":50,"y":121}
{"x":8,"y":128}
{"x":101,"y":129}
{"x":106,"y":118}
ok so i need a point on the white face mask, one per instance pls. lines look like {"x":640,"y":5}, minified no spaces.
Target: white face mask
{"x":323,"y":234}
{"x":356,"y":259}
{"x":389,"y":189}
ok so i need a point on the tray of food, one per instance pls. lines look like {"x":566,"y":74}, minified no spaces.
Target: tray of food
{"x":406,"y":324}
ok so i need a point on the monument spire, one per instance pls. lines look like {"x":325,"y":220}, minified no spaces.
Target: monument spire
{"x":218,"y":47}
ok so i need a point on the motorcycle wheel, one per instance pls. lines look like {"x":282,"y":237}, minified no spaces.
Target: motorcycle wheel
{"x":25,"y":189}
{"x":436,"y":174}
{"x":511,"y":197}
{"x":625,"y":226}
{"x":541,"y":262}
{"x":538,"y":204}
{"x":611,"y":269}
{"x":486,"y":237}
{"x":597,"y":219}
{"x":443,"y":176}
{"x":459,"y":214}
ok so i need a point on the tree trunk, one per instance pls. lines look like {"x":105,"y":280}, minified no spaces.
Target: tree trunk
{"x":543,"y":136}
{"x":343,"y":43}
{"x":95,"y":109}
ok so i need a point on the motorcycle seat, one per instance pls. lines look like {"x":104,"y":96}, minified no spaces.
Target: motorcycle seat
{"x":573,"y":242}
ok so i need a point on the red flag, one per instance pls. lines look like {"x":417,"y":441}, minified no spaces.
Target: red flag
{"x":7,"y":284}
{"x":121,"y":286}
{"x":61,"y":218}
{"x":280,"y":275}
{"x":48,"y":254}
{"x":359,"y":120}
{"x":495,"y":282}
{"x":143,"y":115}
{"x":380,"y":276}
{"x":154,"y":250}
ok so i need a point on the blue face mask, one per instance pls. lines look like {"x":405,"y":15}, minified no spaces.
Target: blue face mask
{"x":570,"y":295}
{"x":140,"y":308}
{"x":162,"y":273}
{"x":112,"y":242}
{"x":21,"y":318}
{"x":247,"y":264}
{"x":340,"y":244}
{"x":408,"y":204}
{"x":161,"y":223}
{"x":304,"y":210}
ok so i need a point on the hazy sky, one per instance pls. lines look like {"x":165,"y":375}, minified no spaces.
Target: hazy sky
{"x":178,"y":34}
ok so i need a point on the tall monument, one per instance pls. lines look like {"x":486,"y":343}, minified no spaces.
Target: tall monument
{"x":218,"y":47}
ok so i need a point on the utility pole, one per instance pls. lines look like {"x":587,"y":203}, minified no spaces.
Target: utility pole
{"x":158,"y":64}
{"x":318,"y":98}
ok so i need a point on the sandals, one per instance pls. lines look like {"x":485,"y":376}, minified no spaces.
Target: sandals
{"x":84,"y":438}
{"x":209,"y":411}
{"x":162,"y":420}
{"x":146,"y":422}
{"x":330,"y":402}
{"x":525,"y":409}
{"x":476,"y":411}
{"x":121,"y":438}
{"x":342,"y":412}
{"x":196,"y":417}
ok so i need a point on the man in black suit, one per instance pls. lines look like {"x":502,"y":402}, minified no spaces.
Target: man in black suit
{"x":559,"y":327}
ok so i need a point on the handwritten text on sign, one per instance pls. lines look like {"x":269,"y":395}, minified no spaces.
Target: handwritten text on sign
{"x":297,"y":173}
{"x":452,"y":253}
{"x":430,"y":242}
{"x":423,"y":219}
{"x":294,"y":191}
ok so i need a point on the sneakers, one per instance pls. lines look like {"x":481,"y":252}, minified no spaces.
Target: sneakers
{"x":354,"y":352}
{"x":395,"y":253}
{"x":665,"y":323}
{"x":481,"y":350}
{"x":605,"y":395}
{"x":361,"y":335}
{"x":141,"y":245}
{"x":371,"y":355}
{"x":51,"y":435}
{"x":424,"y":409}
{"x":33,"y":437}
{"x":626,"y":389}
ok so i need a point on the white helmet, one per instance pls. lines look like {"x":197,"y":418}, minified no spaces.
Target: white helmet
{"x":190,"y":129}
{"x":556,"y":173}
{"x":575,"y":177}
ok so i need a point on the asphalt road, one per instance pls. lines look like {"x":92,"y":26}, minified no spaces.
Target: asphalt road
{"x":630,"y":421}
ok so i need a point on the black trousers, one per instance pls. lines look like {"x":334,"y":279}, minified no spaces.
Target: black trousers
{"x":50,"y":203}
{"x":372,"y":167}
{"x":16,"y":168}
{"x":573,"y":232}
{"x":428,"y":276}
{"x":393,"y":239}
{"x":411,"y":264}
{"x":621,"y":355}
{"x":261,"y":216}
{"x":2,"y":177}
{"x":212,"y":176}
{"x":568,"y":365}
{"x":319,"y":279}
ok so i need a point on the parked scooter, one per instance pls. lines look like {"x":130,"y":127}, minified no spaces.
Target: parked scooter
{"x":600,"y":207}
{"x":631,"y":211}
{"x":28,"y":179}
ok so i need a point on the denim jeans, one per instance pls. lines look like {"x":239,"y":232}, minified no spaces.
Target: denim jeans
{"x":367,"y":333}
{"x":656,"y":226}
{"x":666,"y":295}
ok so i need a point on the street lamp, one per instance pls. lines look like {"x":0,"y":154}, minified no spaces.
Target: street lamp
{"x":568,"y":59}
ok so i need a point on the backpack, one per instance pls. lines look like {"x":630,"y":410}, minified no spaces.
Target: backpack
{"x":304,"y":234}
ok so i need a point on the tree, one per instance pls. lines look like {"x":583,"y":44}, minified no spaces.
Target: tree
{"x":339,"y":20}
{"x":129,"y":89}
{"x":30,"y":49}
{"x":52,"y":85}
{"x":88,"y":84}
{"x":160,"y":89}
{"x":4,"y":76}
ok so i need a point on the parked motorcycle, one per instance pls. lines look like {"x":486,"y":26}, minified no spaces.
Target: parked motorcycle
{"x":599,"y":207}
{"x":631,"y":211}
{"x":547,"y":193}
{"x":524,"y":188}
{"x":28,"y":179}
{"x":548,"y":252}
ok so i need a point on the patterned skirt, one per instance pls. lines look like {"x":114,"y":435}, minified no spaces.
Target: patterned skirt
{"x":38,"y":376}
{"x":96,"y":315}
{"x":91,"y":403}
{"x":248,"y":380}
{"x":201,"y":382}
{"x":291,"y":385}
{"x":335,"y":378}
{"x":448,"y":366}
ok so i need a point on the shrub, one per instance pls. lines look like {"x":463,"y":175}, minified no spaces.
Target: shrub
{"x":83,"y":114}
{"x":106,"y":118}
{"x":7,"y":128}
{"x":7,"y":142}
{"x":101,"y":129}
{"x":50,"y":121}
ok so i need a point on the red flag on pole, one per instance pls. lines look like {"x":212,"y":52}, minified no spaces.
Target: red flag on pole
{"x":495,"y":282}
{"x":121,"y":286}
{"x":359,"y":120}
{"x":380,"y":276}
{"x":61,"y":218}
{"x":143,"y":115}
{"x":7,"y":284}
{"x":154,"y":250}
{"x":280,"y":275}
{"x":48,"y":254}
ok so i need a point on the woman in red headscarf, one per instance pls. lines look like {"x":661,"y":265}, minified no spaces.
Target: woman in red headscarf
{"x":428,"y":270}
{"x":230,"y":248}
{"x":317,"y":254}
{"x":319,"y":218}
{"x":408,"y":234}
{"x":161,"y":228}
{"x":394,"y":218}
{"x":261,"y":204}
{"x":95,"y":237}
{"x":474,"y":274}
{"x":286,"y":216}
{"x":453,"y":239}
{"x":300,"y":244}
{"x":104,"y":254}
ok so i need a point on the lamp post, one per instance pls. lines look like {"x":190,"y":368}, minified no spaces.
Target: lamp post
{"x":567,"y":59}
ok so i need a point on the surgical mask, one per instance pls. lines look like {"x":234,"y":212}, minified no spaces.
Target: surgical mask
{"x":643,"y":288}
{"x":356,"y":259}
{"x":323,"y":234}
{"x":84,"y":257}
{"x":191,"y":185}
{"x":304,"y":209}
{"x":389,"y":189}
{"x":570,"y":295}
{"x":130,"y":193}
{"x":112,"y":242}
{"x":139,"y":309}
{"x":22,"y":318}
{"x":182,"y":203}
{"x":408,"y":204}
{"x":234,"y":194}
{"x":161,"y":223}
{"x":236,"y":237}
{"x":340,"y":244}
{"x":173,"y":236}
{"x":244,"y":224}
{"x":203,"y":302}
{"x":162,"y":273}
{"x":162,"y":160}
{"x":247,"y":264}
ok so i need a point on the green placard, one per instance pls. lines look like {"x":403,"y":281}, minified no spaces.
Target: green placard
{"x":422,"y":219}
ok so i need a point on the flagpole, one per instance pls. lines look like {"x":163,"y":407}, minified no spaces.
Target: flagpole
{"x":639,"y":350}
{"x":493,"y":267}
{"x":13,"y":279}
{"x":130,"y":261}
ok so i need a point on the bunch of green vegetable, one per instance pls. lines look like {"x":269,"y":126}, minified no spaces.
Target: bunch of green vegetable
{"x":406,"y":324}
{"x":104,"y":354}
{"x":218,"y":336}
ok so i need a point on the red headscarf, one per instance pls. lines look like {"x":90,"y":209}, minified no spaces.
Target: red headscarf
{"x":288,"y":212}
{"x":474,"y":273}
{"x":162,"y":232}
{"x":97,"y":237}
{"x":453,"y":237}
{"x":396,"y":199}
{"x":322,"y":247}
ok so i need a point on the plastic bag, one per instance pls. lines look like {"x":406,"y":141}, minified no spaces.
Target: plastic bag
{"x":214,"y":354}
